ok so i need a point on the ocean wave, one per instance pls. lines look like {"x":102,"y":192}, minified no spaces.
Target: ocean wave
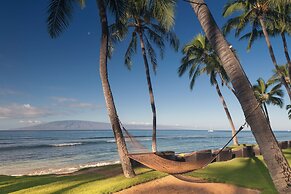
{"x":66,"y":144}
{"x":110,"y":137}
{"x":59,"y":145}
{"x":193,"y":137}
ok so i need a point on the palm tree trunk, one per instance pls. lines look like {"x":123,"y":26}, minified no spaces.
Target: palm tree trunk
{"x":283,"y":80}
{"x":276,"y":162}
{"x":152,"y":100}
{"x":266,"y":111}
{"x":286,"y":53}
{"x":121,"y":146}
{"x":233,"y":131}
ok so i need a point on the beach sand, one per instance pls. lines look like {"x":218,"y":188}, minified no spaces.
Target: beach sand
{"x":172,"y":185}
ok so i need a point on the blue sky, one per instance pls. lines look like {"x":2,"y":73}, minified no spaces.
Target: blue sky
{"x":44,"y":79}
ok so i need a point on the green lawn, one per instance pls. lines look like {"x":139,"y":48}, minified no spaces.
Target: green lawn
{"x":85,"y":183}
{"x":245,"y":172}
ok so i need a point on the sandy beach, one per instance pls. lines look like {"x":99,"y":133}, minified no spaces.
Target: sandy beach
{"x":173,"y":185}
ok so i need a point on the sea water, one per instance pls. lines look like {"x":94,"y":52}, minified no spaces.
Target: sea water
{"x":45,"y":152}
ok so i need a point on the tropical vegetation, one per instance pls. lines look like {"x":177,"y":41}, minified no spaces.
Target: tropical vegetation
{"x":253,"y":113}
{"x":151,"y":21}
{"x":146,"y":23}
{"x":109,"y":179}
{"x":260,"y":14}
{"x":199,"y":58}
{"x":59,"y":15}
{"x":266,"y":94}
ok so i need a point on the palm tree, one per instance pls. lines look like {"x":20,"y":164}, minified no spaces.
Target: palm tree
{"x":283,"y":69}
{"x":200,"y":58}
{"x":283,"y":26}
{"x":275,"y":160}
{"x":151,"y":27}
{"x":60,"y":12}
{"x":266,"y":95}
{"x":255,"y":12}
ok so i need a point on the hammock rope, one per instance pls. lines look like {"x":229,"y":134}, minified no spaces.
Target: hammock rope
{"x":156,"y":162}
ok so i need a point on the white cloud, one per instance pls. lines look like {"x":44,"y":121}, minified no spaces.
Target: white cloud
{"x":73,"y":103}
{"x":22,"y":111}
{"x":28,"y":106}
{"x":139,"y":123}
{"x":30,"y":122}
{"x":82,"y":105}
{"x":63,"y":99}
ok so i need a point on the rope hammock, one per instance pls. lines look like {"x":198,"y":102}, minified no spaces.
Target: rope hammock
{"x":157,"y":162}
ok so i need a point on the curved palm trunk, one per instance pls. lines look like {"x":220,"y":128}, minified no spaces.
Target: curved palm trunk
{"x":283,"y":80}
{"x":233,"y":131}
{"x":153,"y":106}
{"x":121,"y":146}
{"x":286,"y":53}
{"x":266,"y":111}
{"x":276,"y":162}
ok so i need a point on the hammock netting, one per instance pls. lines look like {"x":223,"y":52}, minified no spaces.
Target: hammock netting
{"x":156,"y":162}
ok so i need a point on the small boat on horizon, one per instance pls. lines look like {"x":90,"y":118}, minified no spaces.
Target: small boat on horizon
{"x":210,"y":131}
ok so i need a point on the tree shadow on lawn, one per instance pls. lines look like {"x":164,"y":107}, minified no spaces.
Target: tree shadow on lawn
{"x":27,"y":182}
{"x":244,"y":172}
{"x":57,"y":184}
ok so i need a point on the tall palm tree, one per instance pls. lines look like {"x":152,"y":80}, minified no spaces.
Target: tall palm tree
{"x":150,"y":22}
{"x":283,"y":26}
{"x":255,"y":12}
{"x":60,"y":12}
{"x":266,"y":95}
{"x":275,"y":160}
{"x":200,"y":58}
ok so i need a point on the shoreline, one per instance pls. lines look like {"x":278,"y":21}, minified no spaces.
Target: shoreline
{"x":64,"y":170}
{"x":230,"y":152}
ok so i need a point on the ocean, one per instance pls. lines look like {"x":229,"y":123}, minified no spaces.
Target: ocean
{"x":45,"y":152}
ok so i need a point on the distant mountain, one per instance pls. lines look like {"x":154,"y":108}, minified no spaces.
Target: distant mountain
{"x":85,"y":125}
{"x":68,"y":125}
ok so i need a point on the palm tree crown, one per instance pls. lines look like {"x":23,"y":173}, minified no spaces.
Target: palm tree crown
{"x":268,"y":95}
{"x":283,"y":69}
{"x":199,"y":58}
{"x":150,"y":22}
{"x":260,"y":14}
{"x":151,"y":19}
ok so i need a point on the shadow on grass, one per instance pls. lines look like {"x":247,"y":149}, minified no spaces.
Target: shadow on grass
{"x":28,"y":182}
{"x":66,"y":189}
{"x":244,"y":172}
{"x":19,"y":183}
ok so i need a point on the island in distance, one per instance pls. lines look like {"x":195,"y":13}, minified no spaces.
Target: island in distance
{"x":87,"y":125}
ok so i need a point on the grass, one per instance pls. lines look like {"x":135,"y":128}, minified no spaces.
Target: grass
{"x":244,"y":172}
{"x":83,"y":183}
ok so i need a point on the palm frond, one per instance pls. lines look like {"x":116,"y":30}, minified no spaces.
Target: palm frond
{"x":131,"y":49}
{"x":59,"y":15}
{"x":118,"y":8}
{"x":163,"y":11}
{"x":151,"y":54}
{"x":231,"y":8}
{"x":157,"y":39}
